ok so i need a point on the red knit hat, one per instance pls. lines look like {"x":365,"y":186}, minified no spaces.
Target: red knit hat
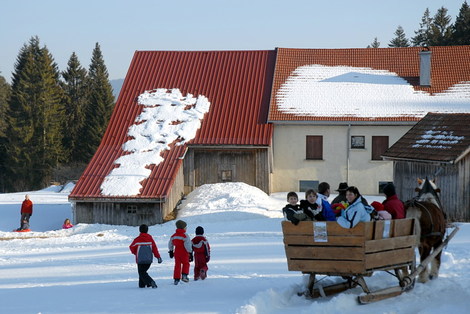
{"x":377,"y":206}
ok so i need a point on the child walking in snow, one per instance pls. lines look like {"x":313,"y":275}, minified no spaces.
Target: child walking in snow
{"x":202,"y":254}
{"x":180,"y":248}
{"x":144,"y":248}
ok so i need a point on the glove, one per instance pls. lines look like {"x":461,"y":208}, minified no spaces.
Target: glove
{"x":208,"y":258}
{"x":191,"y":257}
{"x":159,"y":259}
{"x":170,"y":253}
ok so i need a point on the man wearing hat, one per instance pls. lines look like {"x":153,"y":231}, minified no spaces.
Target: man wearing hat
{"x":180,"y":247}
{"x":342,"y":193}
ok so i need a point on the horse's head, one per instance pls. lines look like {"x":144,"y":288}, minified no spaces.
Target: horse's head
{"x":428,"y":191}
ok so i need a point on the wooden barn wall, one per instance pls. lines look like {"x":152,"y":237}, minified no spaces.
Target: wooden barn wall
{"x":448,"y":179}
{"x":176,"y":194}
{"x":118,"y":213}
{"x":205,"y":166}
{"x":464,"y":185}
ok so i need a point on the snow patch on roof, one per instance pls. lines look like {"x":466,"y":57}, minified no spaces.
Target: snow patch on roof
{"x":168,"y":117}
{"x":334,"y":91}
{"x":438,"y":139}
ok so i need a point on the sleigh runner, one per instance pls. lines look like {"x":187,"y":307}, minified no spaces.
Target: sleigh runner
{"x":325,"y":248}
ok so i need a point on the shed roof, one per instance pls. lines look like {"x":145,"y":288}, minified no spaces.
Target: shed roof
{"x":437,"y":137}
{"x":367,"y":84}
{"x":236,"y":83}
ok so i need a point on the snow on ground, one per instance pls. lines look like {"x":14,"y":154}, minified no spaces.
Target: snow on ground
{"x":89,"y":269}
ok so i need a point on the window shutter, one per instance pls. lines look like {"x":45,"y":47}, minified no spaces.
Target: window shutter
{"x":379,"y":146}
{"x":314,"y":147}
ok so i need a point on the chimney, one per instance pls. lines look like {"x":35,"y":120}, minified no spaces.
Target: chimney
{"x":425,"y":67}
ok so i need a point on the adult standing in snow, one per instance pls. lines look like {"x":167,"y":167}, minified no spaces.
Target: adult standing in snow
{"x":392,"y":203}
{"x":26,"y":210}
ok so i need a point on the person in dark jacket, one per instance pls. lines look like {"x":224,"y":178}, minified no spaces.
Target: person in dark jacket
{"x":310,"y":206}
{"x":341,"y":197}
{"x":202,"y":254}
{"x":392,"y":203}
{"x":292,"y":210}
{"x":144,"y":248}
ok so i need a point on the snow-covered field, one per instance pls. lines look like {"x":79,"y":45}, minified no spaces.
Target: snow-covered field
{"x":89,"y":268}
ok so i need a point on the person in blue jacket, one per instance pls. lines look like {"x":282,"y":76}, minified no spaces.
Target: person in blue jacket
{"x":323,"y":194}
{"x":355,"y":212}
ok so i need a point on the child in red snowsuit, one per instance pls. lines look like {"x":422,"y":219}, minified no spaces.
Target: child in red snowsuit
{"x":202,"y":254}
{"x":180,"y":248}
{"x":144,"y":248}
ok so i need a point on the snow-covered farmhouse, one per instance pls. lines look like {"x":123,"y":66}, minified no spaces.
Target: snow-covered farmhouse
{"x":182,"y":119}
{"x":335,"y":111}
{"x":437,"y":147}
{"x":280,"y":120}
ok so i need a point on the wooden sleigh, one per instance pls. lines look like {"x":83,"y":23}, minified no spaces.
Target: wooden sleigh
{"x":325,"y":248}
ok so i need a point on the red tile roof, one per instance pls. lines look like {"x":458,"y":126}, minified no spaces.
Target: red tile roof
{"x":449,"y":66}
{"x":237,"y":84}
{"x":438,"y":137}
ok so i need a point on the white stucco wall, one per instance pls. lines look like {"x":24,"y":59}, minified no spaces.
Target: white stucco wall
{"x":290,"y":164}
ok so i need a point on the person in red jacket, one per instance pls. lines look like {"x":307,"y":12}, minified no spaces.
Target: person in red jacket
{"x":26,"y":210}
{"x":392,"y":204}
{"x":180,"y":248}
{"x":144,"y":248}
{"x":202,"y":254}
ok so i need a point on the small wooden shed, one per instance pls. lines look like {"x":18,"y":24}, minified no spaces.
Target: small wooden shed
{"x":437,"y":147}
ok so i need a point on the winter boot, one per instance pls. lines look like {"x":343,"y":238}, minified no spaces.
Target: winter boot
{"x":153,"y":284}
{"x":203,"y":274}
{"x":185,"y":278}
{"x":177,"y":281}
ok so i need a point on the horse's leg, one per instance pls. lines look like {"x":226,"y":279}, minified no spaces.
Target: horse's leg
{"x":436,"y":263}
{"x":424,"y":251}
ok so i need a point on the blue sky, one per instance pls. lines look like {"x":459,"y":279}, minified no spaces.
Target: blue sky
{"x":122,"y":26}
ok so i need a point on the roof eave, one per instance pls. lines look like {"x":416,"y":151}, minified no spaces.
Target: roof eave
{"x":117,"y":199}
{"x":418,"y":160}
{"x":465,"y":153}
{"x":343,"y":122}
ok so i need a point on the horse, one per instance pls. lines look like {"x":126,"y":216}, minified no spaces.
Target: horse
{"x":427,"y":209}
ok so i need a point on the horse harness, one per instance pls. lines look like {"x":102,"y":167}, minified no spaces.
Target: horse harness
{"x":414,"y":202}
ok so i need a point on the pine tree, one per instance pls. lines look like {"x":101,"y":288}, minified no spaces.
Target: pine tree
{"x":75,"y":86}
{"x":461,"y":28}
{"x":423,"y":33}
{"x":400,"y":40}
{"x":4,"y":98}
{"x":99,"y":107}
{"x":441,"y":29}
{"x":374,"y":44}
{"x":36,"y":117}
